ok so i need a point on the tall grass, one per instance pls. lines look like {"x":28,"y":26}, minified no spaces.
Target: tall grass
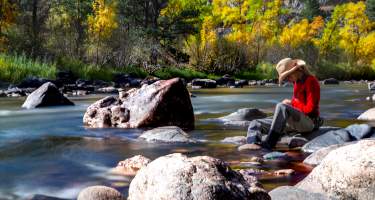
{"x":15,"y":68}
{"x":186,"y":73}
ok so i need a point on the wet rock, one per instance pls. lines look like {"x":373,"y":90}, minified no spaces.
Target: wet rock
{"x":149,"y":80}
{"x":243,"y":125}
{"x":44,"y":197}
{"x":284,"y":172}
{"x":294,"y":193}
{"x":252,"y":172}
{"x":275,"y":155}
{"x":256,"y":159}
{"x":2,"y":93}
{"x":196,"y":87}
{"x":131,"y":166}
{"x":100,"y":193}
{"x":225,"y":80}
{"x":110,"y":89}
{"x":271,"y":85}
{"x":316,"y":158}
{"x":204,"y":83}
{"x":330,"y":81}
{"x":297,"y":142}
{"x":244,"y":114}
{"x":347,"y":172}
{"x":168,"y":134}
{"x":368,"y":115}
{"x":178,"y":177}
{"x":241,"y":83}
{"x":46,"y":95}
{"x":13,"y":91}
{"x":65,"y":78}
{"x":371,"y":86}
{"x":330,"y":138}
{"x":164,"y":103}
{"x":359,"y":131}
{"x":238,"y":140}
{"x":249,"y":147}
{"x":32,"y":82}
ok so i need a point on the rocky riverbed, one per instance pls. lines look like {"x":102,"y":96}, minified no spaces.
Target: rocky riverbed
{"x":60,"y":157}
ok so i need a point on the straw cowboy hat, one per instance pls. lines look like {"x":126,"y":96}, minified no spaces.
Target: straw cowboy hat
{"x":287,"y":66}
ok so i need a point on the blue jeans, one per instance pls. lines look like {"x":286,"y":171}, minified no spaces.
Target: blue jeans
{"x":285,"y":119}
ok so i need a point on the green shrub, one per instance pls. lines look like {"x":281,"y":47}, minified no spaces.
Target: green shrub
{"x":15,"y":68}
{"x":171,"y":72}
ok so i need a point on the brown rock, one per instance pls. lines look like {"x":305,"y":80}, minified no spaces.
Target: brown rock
{"x":130,"y":166}
{"x":249,"y":147}
{"x":163,"y":103}
{"x":100,"y":193}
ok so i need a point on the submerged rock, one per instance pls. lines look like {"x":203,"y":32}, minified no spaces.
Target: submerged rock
{"x":249,"y":147}
{"x":178,"y":177}
{"x":169,"y":134}
{"x":164,"y":103}
{"x":131,"y":166}
{"x":238,"y":140}
{"x":347,"y":172}
{"x":46,"y":95}
{"x":44,"y":197}
{"x":294,"y":193}
{"x":275,"y":155}
{"x":100,"y":193}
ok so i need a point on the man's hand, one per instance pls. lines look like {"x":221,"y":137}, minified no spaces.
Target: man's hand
{"x":287,"y":101}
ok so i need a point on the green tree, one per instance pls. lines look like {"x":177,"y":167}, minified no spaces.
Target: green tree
{"x":311,"y":9}
{"x":370,"y":9}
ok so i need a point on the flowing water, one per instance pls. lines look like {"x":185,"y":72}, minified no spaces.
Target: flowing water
{"x":48,"y":151}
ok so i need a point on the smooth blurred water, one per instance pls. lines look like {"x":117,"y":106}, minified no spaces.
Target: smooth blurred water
{"x":48,"y":151}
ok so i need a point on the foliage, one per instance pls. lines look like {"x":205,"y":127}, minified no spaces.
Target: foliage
{"x":7,"y":18}
{"x":311,"y":9}
{"x":186,"y":73}
{"x":14,"y":68}
{"x":370,"y":9}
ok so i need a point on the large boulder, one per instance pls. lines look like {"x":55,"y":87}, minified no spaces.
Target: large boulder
{"x":294,"y":193}
{"x":163,"y":103}
{"x":167,"y":134}
{"x":204,"y":83}
{"x":316,"y":158}
{"x":46,"y":95}
{"x":100,"y":193}
{"x":225,"y":80}
{"x":368,"y":115}
{"x":347,"y":172}
{"x":178,"y":177}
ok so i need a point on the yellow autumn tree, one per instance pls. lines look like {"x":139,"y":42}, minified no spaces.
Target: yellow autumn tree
{"x":102,"y":22}
{"x":7,"y":18}
{"x":356,"y":27}
{"x":301,"y":33}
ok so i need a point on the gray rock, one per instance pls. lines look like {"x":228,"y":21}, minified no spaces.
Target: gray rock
{"x":168,"y":134}
{"x":163,"y":103}
{"x":46,"y":95}
{"x":347,"y":172}
{"x":178,"y":177}
{"x":244,"y":114}
{"x":238,"y":140}
{"x":330,"y":138}
{"x":359,"y":131}
{"x":242,"y":125}
{"x":371,"y":86}
{"x":297,"y":142}
{"x":275,"y":155}
{"x":316,"y":158}
{"x":294,"y":193}
{"x":100,"y":193}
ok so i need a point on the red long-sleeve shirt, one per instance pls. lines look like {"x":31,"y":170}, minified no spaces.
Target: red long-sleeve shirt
{"x":306,"y":96}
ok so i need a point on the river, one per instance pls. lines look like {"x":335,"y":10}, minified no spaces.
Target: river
{"x":48,"y":151}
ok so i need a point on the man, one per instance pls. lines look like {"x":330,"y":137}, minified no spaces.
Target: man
{"x":300,"y":114}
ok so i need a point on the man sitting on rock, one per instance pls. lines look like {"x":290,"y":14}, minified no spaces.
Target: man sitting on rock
{"x":300,"y":114}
